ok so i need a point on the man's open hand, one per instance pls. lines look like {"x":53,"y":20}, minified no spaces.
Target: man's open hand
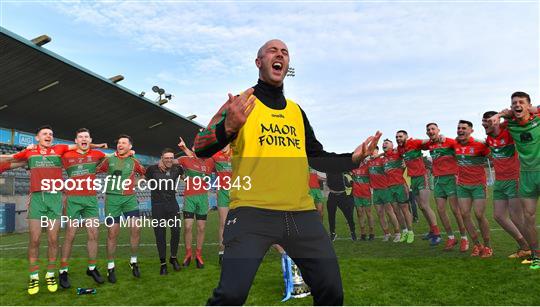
{"x":238,"y":110}
{"x":366,"y":148}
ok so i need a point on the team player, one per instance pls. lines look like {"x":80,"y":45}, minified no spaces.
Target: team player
{"x":121,"y":201}
{"x":197,"y":173}
{"x":411,"y":151}
{"x":315,"y":191}
{"x":271,"y":140}
{"x":45,"y":164}
{"x":444,"y":168}
{"x":397,"y":188}
{"x":505,"y":189}
{"x":362,"y":199}
{"x":471,"y":185}
{"x":222,"y":168}
{"x":81,"y":202}
{"x":524,"y":126}
{"x":380,"y":196}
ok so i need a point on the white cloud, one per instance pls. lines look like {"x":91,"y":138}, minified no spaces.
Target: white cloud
{"x":360,"y":66}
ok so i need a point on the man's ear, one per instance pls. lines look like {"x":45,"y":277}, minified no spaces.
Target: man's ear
{"x":258,"y":63}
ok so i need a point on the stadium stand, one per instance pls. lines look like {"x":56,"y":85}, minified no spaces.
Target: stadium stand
{"x":53,"y":90}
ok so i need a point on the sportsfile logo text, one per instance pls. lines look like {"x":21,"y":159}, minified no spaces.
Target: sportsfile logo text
{"x":117,"y":183}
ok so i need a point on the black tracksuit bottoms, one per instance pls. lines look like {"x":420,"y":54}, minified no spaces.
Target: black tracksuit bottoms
{"x":346,"y":205}
{"x":250,"y":232}
{"x":166,"y":211}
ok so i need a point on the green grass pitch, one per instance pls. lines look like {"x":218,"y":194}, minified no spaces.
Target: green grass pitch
{"x":374,"y":273}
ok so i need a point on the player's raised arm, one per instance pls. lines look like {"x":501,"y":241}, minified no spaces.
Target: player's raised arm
{"x":225,"y":124}
{"x":4,"y":166}
{"x":185,"y":149}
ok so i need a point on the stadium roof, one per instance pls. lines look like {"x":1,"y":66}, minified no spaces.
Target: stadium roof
{"x":39,"y":87}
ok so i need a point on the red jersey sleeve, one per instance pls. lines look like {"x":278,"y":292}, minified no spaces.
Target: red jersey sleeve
{"x":485,"y":149}
{"x":22,"y":155}
{"x":182,"y":161}
{"x":103,"y":167}
{"x":4,"y":166}
{"x":100,"y":154}
{"x":139,"y":168}
{"x":416,"y":144}
{"x":60,"y":148}
{"x":210,"y":165}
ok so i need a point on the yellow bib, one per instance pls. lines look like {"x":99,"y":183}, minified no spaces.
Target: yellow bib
{"x":270,"y":152}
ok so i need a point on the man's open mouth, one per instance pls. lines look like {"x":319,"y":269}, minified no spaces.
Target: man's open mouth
{"x":277,"y":66}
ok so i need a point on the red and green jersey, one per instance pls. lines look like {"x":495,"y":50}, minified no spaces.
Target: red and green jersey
{"x":377,"y":176}
{"x":360,"y":186}
{"x":504,"y":155}
{"x":4,"y":166}
{"x":443,"y":157}
{"x":471,"y":159}
{"x":313,"y":179}
{"x":394,"y":167}
{"x":196,"y":168}
{"x":527,"y":138}
{"x":44,"y":163}
{"x":411,"y":152}
{"x":222,"y":167}
{"x":80,"y":167}
{"x":120,"y":169}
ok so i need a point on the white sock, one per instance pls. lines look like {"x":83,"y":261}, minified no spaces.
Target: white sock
{"x":405,"y":230}
{"x":62,"y":271}
{"x":110,"y":265}
{"x":91,"y":267}
{"x":451,"y":237}
{"x":49,"y":274}
{"x":133,"y":259}
{"x":34,"y":275}
{"x":220,"y":252}
{"x":464,"y":237}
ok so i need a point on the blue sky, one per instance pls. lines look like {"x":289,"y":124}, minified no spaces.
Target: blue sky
{"x":360,"y":66}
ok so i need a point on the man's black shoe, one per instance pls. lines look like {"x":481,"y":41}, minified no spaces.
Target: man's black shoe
{"x":174,"y":262}
{"x":363,"y":237}
{"x":64,"y":280}
{"x":95,"y":275}
{"x":353,"y":236}
{"x":135,"y":269}
{"x":333,"y":236}
{"x":163,"y":269}
{"x":111,"y":276}
{"x":371,"y":237}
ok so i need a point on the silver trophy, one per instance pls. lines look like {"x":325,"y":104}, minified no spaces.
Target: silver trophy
{"x":300,"y":288}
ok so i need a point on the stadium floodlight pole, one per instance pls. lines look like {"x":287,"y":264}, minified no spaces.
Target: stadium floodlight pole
{"x":160,"y":91}
{"x":291,"y":72}
{"x":116,"y":78}
{"x":41,"y":40}
{"x":162,"y":102}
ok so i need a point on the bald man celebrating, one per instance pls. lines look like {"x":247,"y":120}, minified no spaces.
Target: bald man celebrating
{"x":271,"y":141}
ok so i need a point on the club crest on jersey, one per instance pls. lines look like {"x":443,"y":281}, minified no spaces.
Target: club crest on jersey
{"x":471,"y":150}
